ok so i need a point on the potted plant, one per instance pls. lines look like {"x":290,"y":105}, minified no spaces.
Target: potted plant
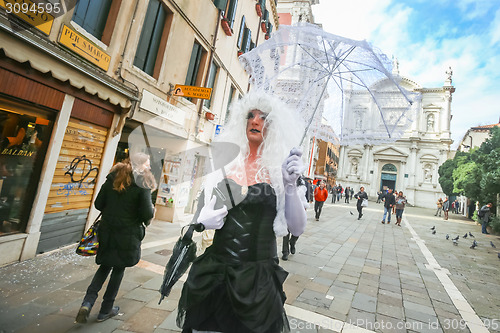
{"x":258,"y":9}
{"x":225,"y":26}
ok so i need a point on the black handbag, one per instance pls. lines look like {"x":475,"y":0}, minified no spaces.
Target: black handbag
{"x":90,"y":241}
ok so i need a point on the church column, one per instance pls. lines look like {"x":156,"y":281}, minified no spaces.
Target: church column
{"x":342,"y":162}
{"x":401,"y":176}
{"x":366,"y":166}
{"x":446,"y":113}
{"x":413,"y":163}
{"x":373,"y":183}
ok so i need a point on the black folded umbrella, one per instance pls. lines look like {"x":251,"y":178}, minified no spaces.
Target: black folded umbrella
{"x":183,"y":254}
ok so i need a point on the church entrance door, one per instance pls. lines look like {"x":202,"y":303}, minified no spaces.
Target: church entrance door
{"x":388,"y":177}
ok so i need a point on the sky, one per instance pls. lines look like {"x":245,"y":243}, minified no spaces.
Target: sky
{"x":427,"y":37}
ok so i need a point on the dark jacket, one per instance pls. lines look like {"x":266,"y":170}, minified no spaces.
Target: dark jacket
{"x":389,"y":200}
{"x":122,"y":224}
{"x":485,"y":212}
{"x":360,"y":196}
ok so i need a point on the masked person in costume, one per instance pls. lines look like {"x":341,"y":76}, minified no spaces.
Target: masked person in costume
{"x":236,"y":285}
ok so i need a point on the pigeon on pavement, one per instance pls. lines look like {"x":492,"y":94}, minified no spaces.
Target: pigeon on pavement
{"x":447,"y":236}
{"x":351,"y":213}
{"x":434,"y":227}
{"x":455,"y":241}
{"x":471,"y":235}
{"x":493,"y":245}
{"x":433,"y":232}
{"x":456,"y":238}
{"x":474,"y":244}
{"x":465,"y":236}
{"x":498,"y":255}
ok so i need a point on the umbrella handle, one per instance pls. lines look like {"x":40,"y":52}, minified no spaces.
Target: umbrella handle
{"x":189,"y":233}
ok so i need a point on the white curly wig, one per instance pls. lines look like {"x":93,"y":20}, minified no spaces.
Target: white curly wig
{"x":283,"y":132}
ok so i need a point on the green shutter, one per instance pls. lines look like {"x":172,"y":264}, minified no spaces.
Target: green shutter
{"x":242,"y":32}
{"x":141,"y":54}
{"x":231,"y":12}
{"x":220,"y":4}
{"x":149,"y":66}
{"x":193,"y":65}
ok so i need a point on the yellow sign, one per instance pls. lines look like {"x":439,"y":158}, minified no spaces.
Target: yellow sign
{"x":36,"y":14}
{"x":83,"y":47}
{"x":192,"y":91}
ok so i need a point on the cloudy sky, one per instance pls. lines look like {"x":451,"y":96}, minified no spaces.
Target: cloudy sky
{"x":428,"y":36}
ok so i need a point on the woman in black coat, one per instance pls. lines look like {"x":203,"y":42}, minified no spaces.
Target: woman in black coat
{"x":125,"y":203}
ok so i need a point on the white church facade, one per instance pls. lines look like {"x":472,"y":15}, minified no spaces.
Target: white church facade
{"x":411,"y":163}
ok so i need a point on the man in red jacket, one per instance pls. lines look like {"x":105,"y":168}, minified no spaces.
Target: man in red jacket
{"x":320,"y":196}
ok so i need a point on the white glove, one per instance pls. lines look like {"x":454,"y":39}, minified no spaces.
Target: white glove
{"x":212,"y":218}
{"x":292,"y":167}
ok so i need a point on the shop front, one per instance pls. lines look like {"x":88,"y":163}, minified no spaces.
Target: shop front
{"x":25,"y":133}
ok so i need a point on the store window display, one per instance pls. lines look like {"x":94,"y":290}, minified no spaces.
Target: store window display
{"x":23,"y":143}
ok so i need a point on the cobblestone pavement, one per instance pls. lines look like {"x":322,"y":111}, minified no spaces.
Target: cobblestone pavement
{"x":347,"y":275}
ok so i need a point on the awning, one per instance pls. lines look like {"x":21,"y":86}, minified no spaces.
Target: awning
{"x":47,"y":57}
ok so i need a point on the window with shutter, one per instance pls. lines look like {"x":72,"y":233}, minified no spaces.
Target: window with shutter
{"x":231,"y":12}
{"x":214,"y":70}
{"x":153,"y":38}
{"x":239,"y":44}
{"x":92,"y":16}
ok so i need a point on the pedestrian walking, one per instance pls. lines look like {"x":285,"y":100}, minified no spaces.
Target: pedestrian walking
{"x":333,"y":192}
{"x":352,"y":192}
{"x":340,"y":189}
{"x":484,"y":216}
{"x":400,"y":206}
{"x":379,"y":196}
{"x":395,"y":193}
{"x":446,"y":207}
{"x":125,"y":202}
{"x":347,"y":194}
{"x":309,"y":191}
{"x":360,"y":196}
{"x":389,"y":201}
{"x":320,"y":196}
{"x":290,"y":240}
{"x":439,"y":204}
{"x":237,"y":284}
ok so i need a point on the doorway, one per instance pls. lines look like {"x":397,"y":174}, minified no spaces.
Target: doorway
{"x":388,"y":177}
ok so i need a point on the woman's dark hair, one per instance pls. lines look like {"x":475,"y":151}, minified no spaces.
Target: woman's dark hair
{"x":123,"y":175}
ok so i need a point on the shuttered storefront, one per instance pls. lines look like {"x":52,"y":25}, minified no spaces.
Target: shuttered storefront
{"x":73,"y":184}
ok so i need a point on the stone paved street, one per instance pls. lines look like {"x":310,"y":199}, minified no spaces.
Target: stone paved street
{"x":346,"y":276}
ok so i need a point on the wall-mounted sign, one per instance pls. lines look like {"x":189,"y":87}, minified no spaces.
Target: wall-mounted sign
{"x":218,"y":129}
{"x":83,"y":47}
{"x":36,"y":14}
{"x":161,"y":107}
{"x":192,"y":91}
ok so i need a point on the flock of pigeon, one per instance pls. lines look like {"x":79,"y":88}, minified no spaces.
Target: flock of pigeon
{"x":455,"y":240}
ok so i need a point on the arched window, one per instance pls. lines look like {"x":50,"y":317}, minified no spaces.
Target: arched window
{"x":389,"y":167}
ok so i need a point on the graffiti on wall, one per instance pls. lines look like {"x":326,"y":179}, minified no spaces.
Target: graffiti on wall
{"x":85,"y":165}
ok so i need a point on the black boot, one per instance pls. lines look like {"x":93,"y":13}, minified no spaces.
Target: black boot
{"x":293,"y":240}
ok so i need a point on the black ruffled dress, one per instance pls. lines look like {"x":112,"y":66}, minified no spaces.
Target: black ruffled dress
{"x":236,"y":286}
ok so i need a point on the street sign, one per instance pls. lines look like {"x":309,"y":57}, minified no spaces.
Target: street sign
{"x":192,"y":91}
{"x":83,"y":47}
{"x":217,"y":129}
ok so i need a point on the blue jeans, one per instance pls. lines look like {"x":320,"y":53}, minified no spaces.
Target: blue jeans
{"x":387,"y":211}
{"x":484,"y":225}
